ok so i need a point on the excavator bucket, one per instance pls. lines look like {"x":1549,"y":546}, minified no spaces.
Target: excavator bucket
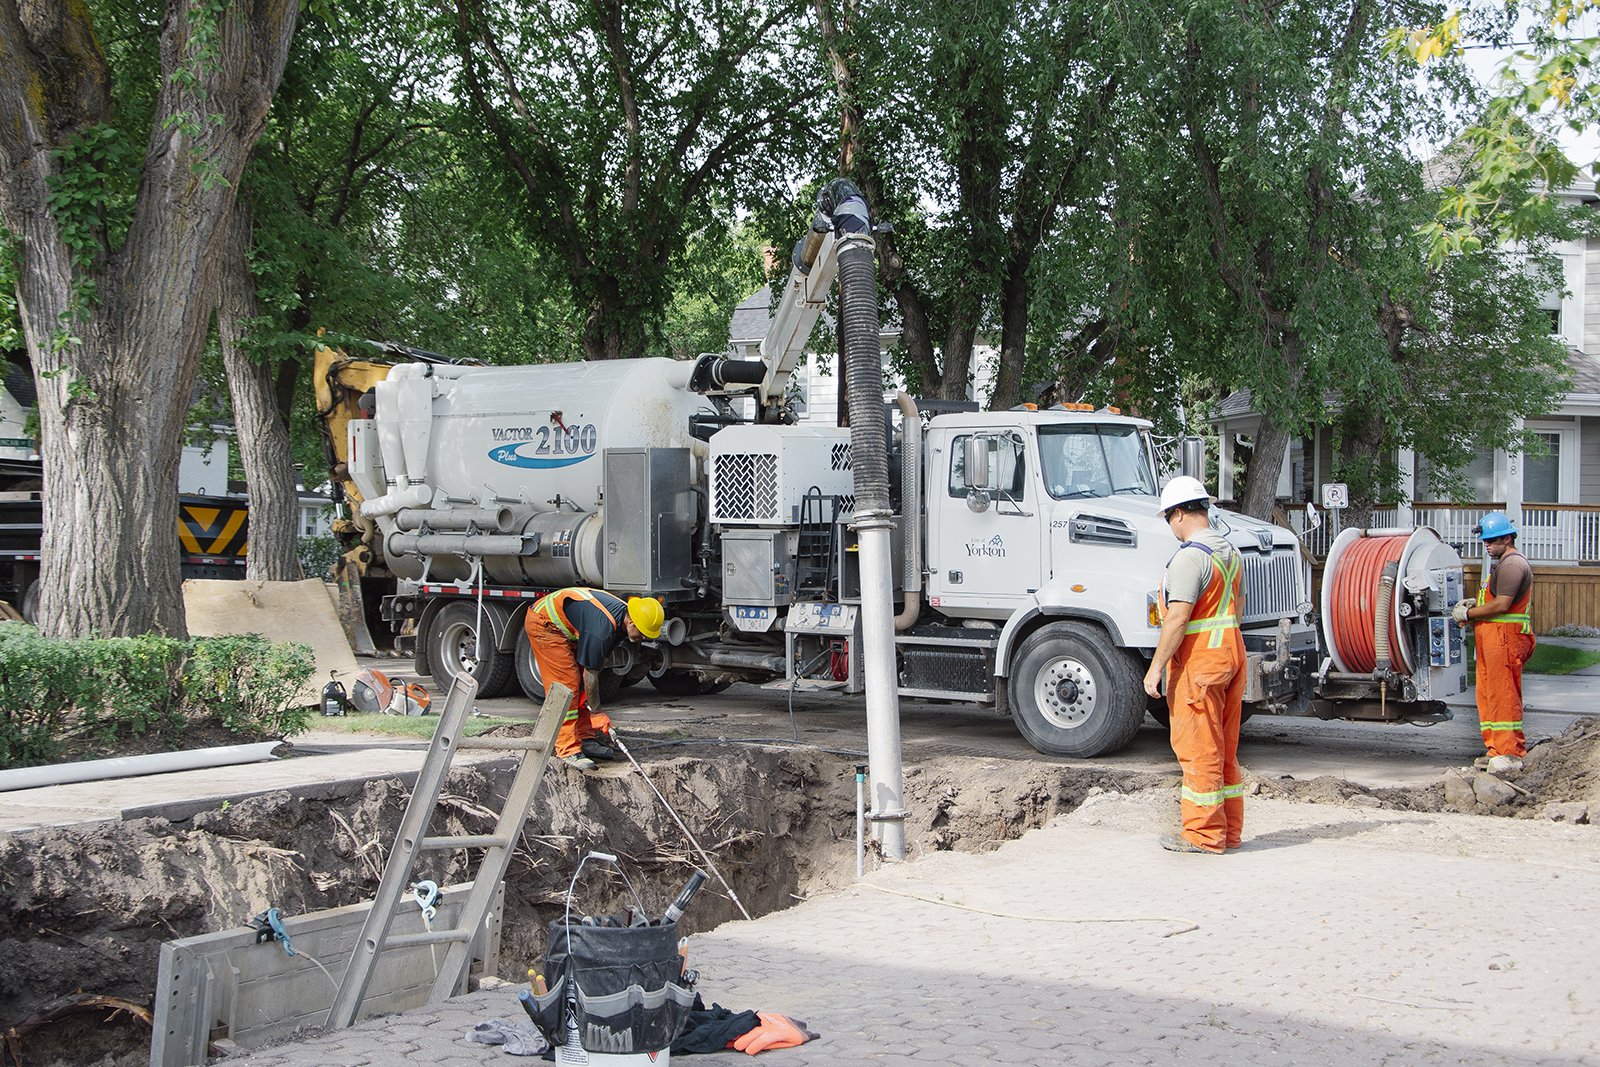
{"x":351,"y":605}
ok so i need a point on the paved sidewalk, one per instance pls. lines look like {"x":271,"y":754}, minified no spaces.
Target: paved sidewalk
{"x":1335,"y":936}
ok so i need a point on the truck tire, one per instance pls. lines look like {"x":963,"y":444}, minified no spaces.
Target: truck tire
{"x":1162,"y":713}
{"x":1073,"y":693}
{"x":527,"y":670}
{"x":527,"y":673}
{"x":450,"y":648}
{"x":30,"y":604}
{"x":678,"y":684}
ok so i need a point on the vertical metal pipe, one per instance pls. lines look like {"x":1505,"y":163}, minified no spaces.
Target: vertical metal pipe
{"x":861,"y":820}
{"x":874,"y":522}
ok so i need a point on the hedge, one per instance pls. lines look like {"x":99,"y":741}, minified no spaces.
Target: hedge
{"x":98,"y":692}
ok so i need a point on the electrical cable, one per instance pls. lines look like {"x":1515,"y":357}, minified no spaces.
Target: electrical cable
{"x":794,"y":723}
{"x":1186,"y":924}
{"x":710,"y":863}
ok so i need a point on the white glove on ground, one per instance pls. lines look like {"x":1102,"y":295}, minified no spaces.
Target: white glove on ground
{"x":1459,"y":612}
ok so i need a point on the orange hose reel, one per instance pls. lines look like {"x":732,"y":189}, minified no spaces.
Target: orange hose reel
{"x":1353,"y":603}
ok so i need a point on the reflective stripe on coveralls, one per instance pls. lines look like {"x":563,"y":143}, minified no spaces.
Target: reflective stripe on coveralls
{"x":552,"y":639}
{"x":1205,"y":694}
{"x":1502,"y":645}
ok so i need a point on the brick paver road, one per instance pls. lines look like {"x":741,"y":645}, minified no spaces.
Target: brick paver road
{"x":1336,"y":936}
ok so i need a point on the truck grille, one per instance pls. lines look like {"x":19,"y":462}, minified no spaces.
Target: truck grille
{"x":746,"y":486}
{"x":1271,"y":586}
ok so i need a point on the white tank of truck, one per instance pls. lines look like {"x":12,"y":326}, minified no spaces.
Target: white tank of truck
{"x":486,"y":458}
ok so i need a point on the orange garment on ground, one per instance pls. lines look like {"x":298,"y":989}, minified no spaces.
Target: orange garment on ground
{"x":553,"y":651}
{"x":1503,"y":645}
{"x":1205,"y":695}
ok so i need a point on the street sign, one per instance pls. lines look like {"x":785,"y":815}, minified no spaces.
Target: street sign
{"x":1335,"y":495}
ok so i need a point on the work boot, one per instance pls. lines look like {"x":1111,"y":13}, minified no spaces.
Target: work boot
{"x":1481,"y":763}
{"x":1175,"y":843}
{"x":580,"y":761}
{"x":1505,"y":764}
{"x":597,"y":749}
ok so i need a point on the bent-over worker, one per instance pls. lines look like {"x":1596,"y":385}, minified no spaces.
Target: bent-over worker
{"x":575,"y":629}
{"x":1203,"y":652}
{"x":1502,"y":631}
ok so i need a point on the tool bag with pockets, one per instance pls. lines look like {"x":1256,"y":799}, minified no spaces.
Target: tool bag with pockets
{"x":612,"y":988}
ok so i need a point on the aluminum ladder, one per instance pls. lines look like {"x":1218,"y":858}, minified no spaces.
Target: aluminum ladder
{"x":534,"y":755}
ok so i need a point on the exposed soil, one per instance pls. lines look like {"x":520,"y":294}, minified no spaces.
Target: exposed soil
{"x":86,"y":909}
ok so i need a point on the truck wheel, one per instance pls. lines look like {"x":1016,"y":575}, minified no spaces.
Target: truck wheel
{"x":527,"y":672}
{"x":677,"y":684}
{"x":30,"y":604}
{"x":451,"y":648}
{"x":1073,"y":693}
{"x":1162,"y":713}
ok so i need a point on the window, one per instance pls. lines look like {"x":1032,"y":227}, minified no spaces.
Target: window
{"x":1095,"y":461}
{"x":1541,"y":475}
{"x":1476,"y":481}
{"x":1551,"y":478}
{"x":1009,"y":458}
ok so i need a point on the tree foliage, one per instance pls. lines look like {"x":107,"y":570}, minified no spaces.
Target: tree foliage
{"x":1280,"y":223}
{"x":974,"y":130}
{"x":617,"y":130}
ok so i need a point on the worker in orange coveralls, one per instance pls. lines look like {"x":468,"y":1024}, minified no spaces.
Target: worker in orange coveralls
{"x":577,"y":628}
{"x":1200,"y":642}
{"x":1503,"y":636}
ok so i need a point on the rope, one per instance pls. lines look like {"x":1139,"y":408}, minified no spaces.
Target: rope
{"x":1353,"y":599}
{"x":710,"y":863}
{"x":1186,"y":925}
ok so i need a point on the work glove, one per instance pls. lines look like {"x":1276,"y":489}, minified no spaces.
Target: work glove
{"x":1459,"y":612}
{"x":775,"y":1031}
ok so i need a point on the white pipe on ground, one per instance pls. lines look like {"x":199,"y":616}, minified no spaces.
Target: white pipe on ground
{"x":133,"y":766}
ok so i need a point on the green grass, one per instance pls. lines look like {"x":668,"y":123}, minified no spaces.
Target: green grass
{"x":403,"y":725}
{"x":1560,"y":659}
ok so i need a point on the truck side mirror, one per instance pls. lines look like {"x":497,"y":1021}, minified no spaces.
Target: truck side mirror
{"x":1192,"y":457}
{"x":975,"y":469}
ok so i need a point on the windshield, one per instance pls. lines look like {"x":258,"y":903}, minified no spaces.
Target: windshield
{"x":1094,"y":461}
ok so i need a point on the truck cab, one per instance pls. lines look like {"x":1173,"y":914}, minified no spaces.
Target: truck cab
{"x":1044,"y":525}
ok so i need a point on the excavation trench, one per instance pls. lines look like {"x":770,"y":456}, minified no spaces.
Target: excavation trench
{"x":87,"y":908}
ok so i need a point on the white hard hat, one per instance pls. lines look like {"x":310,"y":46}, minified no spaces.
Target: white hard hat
{"x":1182,"y":490}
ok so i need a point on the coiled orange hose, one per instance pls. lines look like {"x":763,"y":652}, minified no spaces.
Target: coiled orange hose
{"x":1354,"y":599}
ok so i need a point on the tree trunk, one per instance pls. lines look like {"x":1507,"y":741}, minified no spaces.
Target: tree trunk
{"x":1013,"y":334}
{"x":1266,"y":461}
{"x":116,"y":372}
{"x":261,"y":432}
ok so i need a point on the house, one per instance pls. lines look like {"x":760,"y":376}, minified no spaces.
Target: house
{"x":1554,"y":498}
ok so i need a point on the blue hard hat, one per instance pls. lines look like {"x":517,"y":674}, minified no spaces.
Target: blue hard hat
{"x":1495,"y":524}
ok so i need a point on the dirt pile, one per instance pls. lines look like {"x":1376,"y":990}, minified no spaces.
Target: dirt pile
{"x":1559,"y":780}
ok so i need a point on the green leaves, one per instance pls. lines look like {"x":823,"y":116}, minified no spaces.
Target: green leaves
{"x":93,"y":693}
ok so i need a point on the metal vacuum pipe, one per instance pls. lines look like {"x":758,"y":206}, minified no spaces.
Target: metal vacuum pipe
{"x":910,"y":508}
{"x":843,"y":203}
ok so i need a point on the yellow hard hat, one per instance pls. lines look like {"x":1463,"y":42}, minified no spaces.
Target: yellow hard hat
{"x":647,"y":614}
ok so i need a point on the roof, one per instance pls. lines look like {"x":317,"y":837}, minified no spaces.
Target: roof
{"x":1585,"y":370}
{"x":752,"y":318}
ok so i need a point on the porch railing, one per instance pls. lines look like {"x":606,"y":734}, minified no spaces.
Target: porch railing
{"x":1554,"y":533}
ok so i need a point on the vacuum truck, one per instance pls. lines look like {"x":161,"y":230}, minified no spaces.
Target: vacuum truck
{"x":1028,"y":544}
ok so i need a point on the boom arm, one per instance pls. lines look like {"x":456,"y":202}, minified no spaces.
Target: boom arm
{"x":841,"y":212}
{"x":815,"y":265}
